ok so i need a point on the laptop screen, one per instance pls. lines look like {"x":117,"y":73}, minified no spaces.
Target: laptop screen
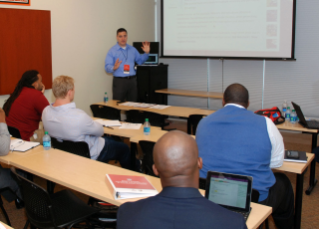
{"x":229,"y":190}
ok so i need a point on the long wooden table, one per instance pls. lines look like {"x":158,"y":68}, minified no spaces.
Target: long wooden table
{"x":186,"y":112}
{"x":203,"y":94}
{"x":88,"y":176}
{"x":314,"y":132}
{"x":176,"y":111}
{"x":292,"y":167}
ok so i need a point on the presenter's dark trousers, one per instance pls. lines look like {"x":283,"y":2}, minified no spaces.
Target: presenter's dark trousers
{"x":281,"y":199}
{"x":125,"y":88}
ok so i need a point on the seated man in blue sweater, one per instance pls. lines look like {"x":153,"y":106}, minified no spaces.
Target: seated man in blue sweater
{"x":235,"y":140}
{"x":179,"y":204}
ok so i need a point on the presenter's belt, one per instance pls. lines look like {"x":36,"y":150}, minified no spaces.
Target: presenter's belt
{"x":126,"y":77}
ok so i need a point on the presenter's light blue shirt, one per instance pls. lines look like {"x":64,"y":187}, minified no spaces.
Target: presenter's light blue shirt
{"x":128,"y":55}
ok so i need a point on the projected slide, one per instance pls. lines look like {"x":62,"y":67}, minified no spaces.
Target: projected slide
{"x":228,"y":28}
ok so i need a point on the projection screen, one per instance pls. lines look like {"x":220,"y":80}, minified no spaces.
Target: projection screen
{"x":228,"y":28}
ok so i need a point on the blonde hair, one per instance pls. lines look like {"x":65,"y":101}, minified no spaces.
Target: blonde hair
{"x":61,"y":85}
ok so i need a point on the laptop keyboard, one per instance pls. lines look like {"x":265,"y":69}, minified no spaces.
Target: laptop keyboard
{"x":313,"y":124}
{"x":245,"y":214}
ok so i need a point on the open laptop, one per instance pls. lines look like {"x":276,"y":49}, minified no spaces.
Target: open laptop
{"x":311,"y":124}
{"x":230,"y":191}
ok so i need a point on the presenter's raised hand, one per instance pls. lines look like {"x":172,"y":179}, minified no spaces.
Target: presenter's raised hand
{"x":117,"y":64}
{"x":146,"y":47}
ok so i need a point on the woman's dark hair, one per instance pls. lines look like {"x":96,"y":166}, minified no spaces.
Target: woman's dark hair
{"x":27,"y":79}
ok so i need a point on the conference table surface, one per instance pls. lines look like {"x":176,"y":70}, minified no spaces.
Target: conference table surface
{"x":203,"y":94}
{"x":68,"y":169}
{"x":176,"y":111}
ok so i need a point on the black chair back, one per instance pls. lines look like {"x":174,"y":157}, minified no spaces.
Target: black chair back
{"x":106,"y":112}
{"x":137,"y":116}
{"x":147,"y":162}
{"x":202,"y":183}
{"x":192,"y":123}
{"x":38,"y":205}
{"x":78,"y":148}
{"x":14,"y":132}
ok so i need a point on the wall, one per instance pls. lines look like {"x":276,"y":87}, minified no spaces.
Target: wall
{"x":296,"y":81}
{"x":82,"y":33}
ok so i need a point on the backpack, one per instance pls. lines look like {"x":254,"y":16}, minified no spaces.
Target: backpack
{"x":273,"y":113}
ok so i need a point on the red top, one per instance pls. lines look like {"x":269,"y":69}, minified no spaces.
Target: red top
{"x":26,"y":111}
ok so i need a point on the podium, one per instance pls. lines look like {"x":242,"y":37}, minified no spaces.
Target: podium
{"x":149,"y":79}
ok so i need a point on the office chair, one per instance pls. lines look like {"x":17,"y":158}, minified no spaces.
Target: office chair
{"x":147,"y":162}
{"x":192,"y":123}
{"x":137,"y":116}
{"x":78,"y":148}
{"x":59,"y":210}
{"x":14,"y":132}
{"x":106,"y":112}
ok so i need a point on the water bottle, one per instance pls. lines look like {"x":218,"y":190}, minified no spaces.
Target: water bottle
{"x":106,"y":98}
{"x":287,"y":117}
{"x":147,"y":127}
{"x":46,"y":141}
{"x":284,"y":108}
{"x":293,"y":117}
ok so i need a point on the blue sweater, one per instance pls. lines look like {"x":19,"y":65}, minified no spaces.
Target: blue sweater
{"x":235,"y":140}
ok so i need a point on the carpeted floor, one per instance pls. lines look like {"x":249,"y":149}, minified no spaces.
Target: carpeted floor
{"x":294,"y":141}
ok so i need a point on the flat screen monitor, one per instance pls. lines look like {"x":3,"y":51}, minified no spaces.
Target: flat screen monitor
{"x":152,"y":59}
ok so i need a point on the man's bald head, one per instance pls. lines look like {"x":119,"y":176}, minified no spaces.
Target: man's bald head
{"x":176,"y":160}
{"x":236,"y":93}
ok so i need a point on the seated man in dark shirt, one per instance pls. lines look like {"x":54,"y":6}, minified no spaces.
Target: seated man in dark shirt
{"x":179,"y":204}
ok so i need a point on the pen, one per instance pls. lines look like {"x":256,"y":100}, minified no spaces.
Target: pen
{"x":110,"y":127}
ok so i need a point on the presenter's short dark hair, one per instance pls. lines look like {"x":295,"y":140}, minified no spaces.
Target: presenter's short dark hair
{"x":121,"y":30}
{"x":236,"y":93}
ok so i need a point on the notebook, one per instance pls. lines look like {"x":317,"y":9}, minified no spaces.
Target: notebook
{"x":22,"y":146}
{"x":311,"y":124}
{"x":230,"y":191}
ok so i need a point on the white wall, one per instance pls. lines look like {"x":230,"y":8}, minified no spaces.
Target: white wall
{"x":82,"y":33}
{"x":296,"y":81}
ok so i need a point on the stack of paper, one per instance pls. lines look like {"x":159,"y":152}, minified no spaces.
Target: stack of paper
{"x":160,"y":107}
{"x":108,"y":122}
{"x":131,"y":126}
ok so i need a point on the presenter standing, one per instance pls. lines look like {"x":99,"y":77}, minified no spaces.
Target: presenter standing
{"x":120,"y":61}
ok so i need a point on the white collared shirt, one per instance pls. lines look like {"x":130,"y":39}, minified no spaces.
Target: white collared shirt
{"x":276,"y":140}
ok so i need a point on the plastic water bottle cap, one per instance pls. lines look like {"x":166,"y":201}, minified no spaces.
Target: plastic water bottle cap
{"x":146,"y":120}
{"x":46,"y":132}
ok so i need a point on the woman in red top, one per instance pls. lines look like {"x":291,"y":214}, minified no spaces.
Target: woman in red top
{"x":25,"y":105}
